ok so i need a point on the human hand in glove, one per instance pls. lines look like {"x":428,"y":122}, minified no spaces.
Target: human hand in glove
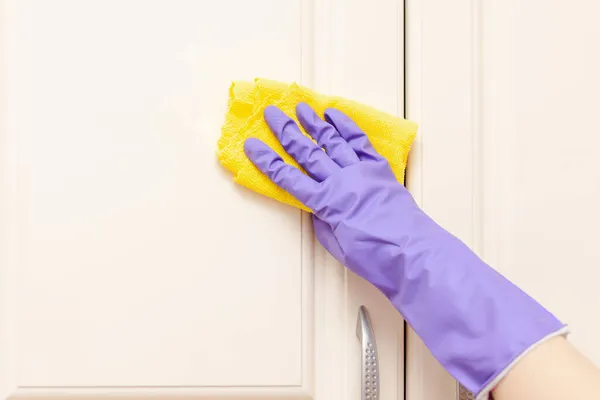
{"x":474,"y":321}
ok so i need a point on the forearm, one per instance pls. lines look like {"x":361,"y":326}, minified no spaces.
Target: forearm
{"x":474,"y":321}
{"x":553,"y":370}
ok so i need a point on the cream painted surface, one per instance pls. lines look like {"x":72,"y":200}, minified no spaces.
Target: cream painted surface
{"x":506,"y":95}
{"x":543,"y":219}
{"x":125,"y":223}
{"x":131,"y":265}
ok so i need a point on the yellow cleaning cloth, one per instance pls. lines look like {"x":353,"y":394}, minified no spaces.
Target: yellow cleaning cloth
{"x":391,"y":136}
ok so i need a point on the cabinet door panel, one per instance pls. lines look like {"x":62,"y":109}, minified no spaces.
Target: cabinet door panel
{"x":131,"y":266}
{"x":507,"y":157}
{"x":137,"y":261}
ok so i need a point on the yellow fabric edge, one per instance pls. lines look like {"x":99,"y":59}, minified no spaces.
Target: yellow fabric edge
{"x":391,"y":136}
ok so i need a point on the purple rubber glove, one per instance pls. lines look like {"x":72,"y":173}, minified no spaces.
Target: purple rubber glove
{"x":472,"y":319}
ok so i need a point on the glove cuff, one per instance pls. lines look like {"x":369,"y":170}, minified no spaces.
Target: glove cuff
{"x":484,"y":394}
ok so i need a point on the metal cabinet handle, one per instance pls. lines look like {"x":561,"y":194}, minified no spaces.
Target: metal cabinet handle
{"x":369,"y":359}
{"x":463,"y":393}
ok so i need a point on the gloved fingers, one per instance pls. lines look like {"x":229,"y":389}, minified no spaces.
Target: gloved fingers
{"x":287,"y":177}
{"x":355,"y":137}
{"x":326,"y":136}
{"x":310,"y":156}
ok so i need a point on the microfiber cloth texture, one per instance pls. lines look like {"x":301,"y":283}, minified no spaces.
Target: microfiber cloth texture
{"x":390,"y":135}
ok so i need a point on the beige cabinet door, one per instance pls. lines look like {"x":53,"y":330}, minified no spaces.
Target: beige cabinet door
{"x":506,"y":93}
{"x":131,"y":266}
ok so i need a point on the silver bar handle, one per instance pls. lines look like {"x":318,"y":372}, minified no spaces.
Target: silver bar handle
{"x":369,"y":359}
{"x":463,"y":393}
